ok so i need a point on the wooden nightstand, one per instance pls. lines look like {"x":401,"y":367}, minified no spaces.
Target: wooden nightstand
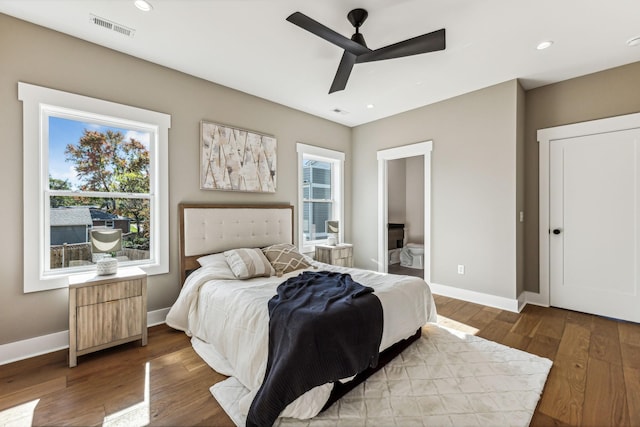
{"x":341,"y":255}
{"x":106,"y":310}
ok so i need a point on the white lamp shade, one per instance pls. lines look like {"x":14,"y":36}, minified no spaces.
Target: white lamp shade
{"x":106,"y":240}
{"x":333,"y":226}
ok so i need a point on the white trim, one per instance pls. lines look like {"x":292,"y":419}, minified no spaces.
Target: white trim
{"x":323,"y":154}
{"x":383,"y":156}
{"x":19,"y":350}
{"x":545,"y":138}
{"x":522,"y":301}
{"x":534,"y":298}
{"x":476,"y":297}
{"x":157,"y":317}
{"x":36,"y":100}
{"x":32,"y":347}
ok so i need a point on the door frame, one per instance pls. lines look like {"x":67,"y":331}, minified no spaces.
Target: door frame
{"x":545,"y":138}
{"x":412,"y":150}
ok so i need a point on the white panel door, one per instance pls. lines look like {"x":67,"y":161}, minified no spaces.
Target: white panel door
{"x":594,"y":224}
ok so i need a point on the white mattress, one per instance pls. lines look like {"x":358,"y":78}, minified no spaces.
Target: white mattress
{"x":229,"y":322}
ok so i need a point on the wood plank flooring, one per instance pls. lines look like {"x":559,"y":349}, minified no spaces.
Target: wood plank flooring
{"x":595,"y":379}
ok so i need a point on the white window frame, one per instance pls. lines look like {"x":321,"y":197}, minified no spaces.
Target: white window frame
{"x":37,"y":103}
{"x":336,"y":158}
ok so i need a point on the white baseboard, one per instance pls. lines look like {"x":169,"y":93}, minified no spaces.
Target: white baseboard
{"x":157,"y":317}
{"x":535,"y":299}
{"x":20,"y":350}
{"x":476,"y":297}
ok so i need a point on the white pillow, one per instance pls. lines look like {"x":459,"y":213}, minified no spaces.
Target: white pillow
{"x":249,"y":262}
{"x":217,"y":265}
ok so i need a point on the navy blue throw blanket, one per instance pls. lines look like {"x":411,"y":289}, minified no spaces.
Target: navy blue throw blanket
{"x":323,"y":326}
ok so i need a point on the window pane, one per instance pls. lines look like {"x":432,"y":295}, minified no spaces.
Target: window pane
{"x":71,"y":220}
{"x":92,"y":157}
{"x":321,"y":193}
{"x":315,"y":215}
{"x":321,"y":173}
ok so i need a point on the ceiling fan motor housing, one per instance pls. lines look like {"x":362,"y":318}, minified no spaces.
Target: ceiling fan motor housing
{"x":357,"y":17}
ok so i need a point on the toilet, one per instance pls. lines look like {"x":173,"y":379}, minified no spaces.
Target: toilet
{"x":412,"y":256}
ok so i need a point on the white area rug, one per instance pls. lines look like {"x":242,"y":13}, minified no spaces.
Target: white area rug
{"x":446,"y":378}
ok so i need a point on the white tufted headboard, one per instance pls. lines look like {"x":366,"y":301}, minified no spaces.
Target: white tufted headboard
{"x":207,"y":229}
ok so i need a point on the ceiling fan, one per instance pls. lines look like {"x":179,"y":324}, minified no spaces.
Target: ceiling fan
{"x":356,"y":50}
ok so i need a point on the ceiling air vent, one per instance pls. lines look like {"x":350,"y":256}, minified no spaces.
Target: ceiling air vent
{"x":113,"y":26}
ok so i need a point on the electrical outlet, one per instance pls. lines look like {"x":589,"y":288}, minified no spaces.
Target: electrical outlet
{"x":460,"y":269}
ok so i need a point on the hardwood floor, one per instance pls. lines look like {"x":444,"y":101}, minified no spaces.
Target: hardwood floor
{"x":595,"y":379}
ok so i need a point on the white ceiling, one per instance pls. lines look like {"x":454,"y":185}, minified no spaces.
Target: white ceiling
{"x":247,"y":45}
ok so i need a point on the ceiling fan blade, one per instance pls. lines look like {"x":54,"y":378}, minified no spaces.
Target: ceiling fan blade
{"x":326,"y":33}
{"x":422,"y":44}
{"x":344,"y":70}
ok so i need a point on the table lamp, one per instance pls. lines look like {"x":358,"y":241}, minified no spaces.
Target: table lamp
{"x":106,"y":241}
{"x":333,"y":231}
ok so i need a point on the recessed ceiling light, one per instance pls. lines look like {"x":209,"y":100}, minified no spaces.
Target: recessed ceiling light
{"x":544,"y":45}
{"x":143,"y":5}
{"x":370,"y":106}
{"x":635,"y":41}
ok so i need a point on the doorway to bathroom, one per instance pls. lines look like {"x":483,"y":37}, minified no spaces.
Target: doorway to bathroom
{"x":404,"y":209}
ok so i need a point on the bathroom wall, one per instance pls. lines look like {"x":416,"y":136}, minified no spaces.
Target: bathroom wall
{"x":414,"y":195}
{"x":396,"y":180}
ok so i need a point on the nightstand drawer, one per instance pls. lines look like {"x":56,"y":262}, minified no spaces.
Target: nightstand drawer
{"x":108,"y":292}
{"x":340,"y":253}
{"x":108,"y":322}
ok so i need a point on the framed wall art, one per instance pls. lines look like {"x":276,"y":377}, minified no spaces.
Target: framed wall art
{"x":236,"y":160}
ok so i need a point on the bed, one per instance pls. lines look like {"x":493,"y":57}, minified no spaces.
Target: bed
{"x":228,"y":319}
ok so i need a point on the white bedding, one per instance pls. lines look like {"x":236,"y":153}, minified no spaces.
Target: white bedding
{"x":228,"y":321}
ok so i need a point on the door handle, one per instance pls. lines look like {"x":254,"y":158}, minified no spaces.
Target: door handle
{"x":557,"y":231}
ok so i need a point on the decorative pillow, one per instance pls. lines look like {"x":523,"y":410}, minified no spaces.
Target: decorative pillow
{"x":247,"y":263}
{"x":284,"y":257}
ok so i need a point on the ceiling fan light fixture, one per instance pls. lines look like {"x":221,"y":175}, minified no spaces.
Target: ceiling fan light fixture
{"x":544,"y":45}
{"x":634,"y":41}
{"x":143,"y":5}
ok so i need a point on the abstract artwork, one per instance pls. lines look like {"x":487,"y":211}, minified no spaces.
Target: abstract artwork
{"x":236,"y":160}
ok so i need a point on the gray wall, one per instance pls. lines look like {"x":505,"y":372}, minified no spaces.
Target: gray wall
{"x":36,"y":55}
{"x":608,"y":93}
{"x":473,"y":186}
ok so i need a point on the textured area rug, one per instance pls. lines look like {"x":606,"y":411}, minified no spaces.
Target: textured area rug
{"x":446,"y":378}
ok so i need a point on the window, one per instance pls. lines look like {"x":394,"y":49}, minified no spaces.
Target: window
{"x":320,"y":194}
{"x":91,"y":164}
